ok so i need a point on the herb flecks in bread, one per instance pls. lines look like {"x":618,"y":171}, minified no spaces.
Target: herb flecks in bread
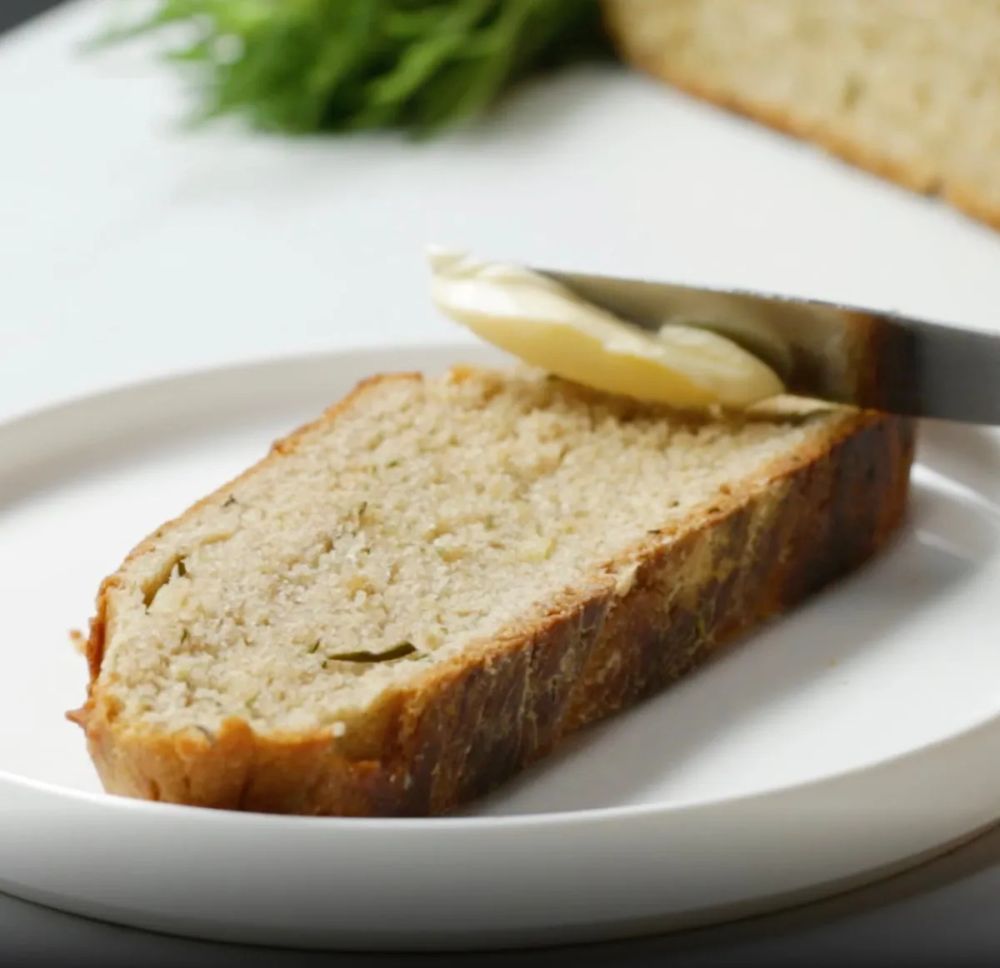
{"x":432,"y":584}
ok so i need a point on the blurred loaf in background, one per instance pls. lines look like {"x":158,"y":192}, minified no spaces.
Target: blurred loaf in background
{"x":909,"y":89}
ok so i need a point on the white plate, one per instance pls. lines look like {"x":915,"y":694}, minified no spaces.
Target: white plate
{"x":853,"y":736}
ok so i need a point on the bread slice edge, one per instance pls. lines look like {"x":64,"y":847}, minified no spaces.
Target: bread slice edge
{"x":466,"y":726}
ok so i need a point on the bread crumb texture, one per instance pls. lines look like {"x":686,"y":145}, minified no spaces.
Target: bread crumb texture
{"x":426,"y":520}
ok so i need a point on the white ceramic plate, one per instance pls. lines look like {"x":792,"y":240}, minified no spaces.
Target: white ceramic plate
{"x":853,"y":736}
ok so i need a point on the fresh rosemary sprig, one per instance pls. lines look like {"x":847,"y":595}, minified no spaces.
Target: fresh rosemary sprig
{"x":335,"y":65}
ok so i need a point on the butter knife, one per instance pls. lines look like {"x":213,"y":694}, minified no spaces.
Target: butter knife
{"x":878,"y":360}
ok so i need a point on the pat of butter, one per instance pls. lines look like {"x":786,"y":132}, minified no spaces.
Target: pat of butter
{"x":546,"y":325}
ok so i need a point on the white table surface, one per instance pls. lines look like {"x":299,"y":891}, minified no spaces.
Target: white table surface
{"x":131,"y":247}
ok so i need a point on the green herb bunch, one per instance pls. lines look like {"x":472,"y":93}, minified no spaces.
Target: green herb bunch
{"x":335,"y":65}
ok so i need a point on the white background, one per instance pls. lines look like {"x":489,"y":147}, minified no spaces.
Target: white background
{"x":130,"y":246}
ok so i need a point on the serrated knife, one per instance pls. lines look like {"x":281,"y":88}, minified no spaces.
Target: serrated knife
{"x":845,"y":354}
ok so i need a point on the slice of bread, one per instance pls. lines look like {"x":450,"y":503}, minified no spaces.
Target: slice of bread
{"x":909,"y":89}
{"x":435,"y":582}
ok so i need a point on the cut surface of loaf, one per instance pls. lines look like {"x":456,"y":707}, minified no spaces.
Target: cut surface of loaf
{"x":428,"y":587}
{"x":907,"y":88}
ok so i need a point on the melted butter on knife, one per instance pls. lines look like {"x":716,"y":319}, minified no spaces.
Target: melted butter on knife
{"x":545,"y":324}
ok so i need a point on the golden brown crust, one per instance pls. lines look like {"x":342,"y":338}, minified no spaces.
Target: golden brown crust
{"x":783,"y":118}
{"x":470,"y":724}
{"x":970,"y":201}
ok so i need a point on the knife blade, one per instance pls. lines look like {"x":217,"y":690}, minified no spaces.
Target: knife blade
{"x":868,"y":358}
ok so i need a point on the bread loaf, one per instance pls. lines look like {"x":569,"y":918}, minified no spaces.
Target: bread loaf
{"x":909,"y":89}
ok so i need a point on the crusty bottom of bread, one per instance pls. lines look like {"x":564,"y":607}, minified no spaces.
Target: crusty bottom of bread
{"x":469,"y":726}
